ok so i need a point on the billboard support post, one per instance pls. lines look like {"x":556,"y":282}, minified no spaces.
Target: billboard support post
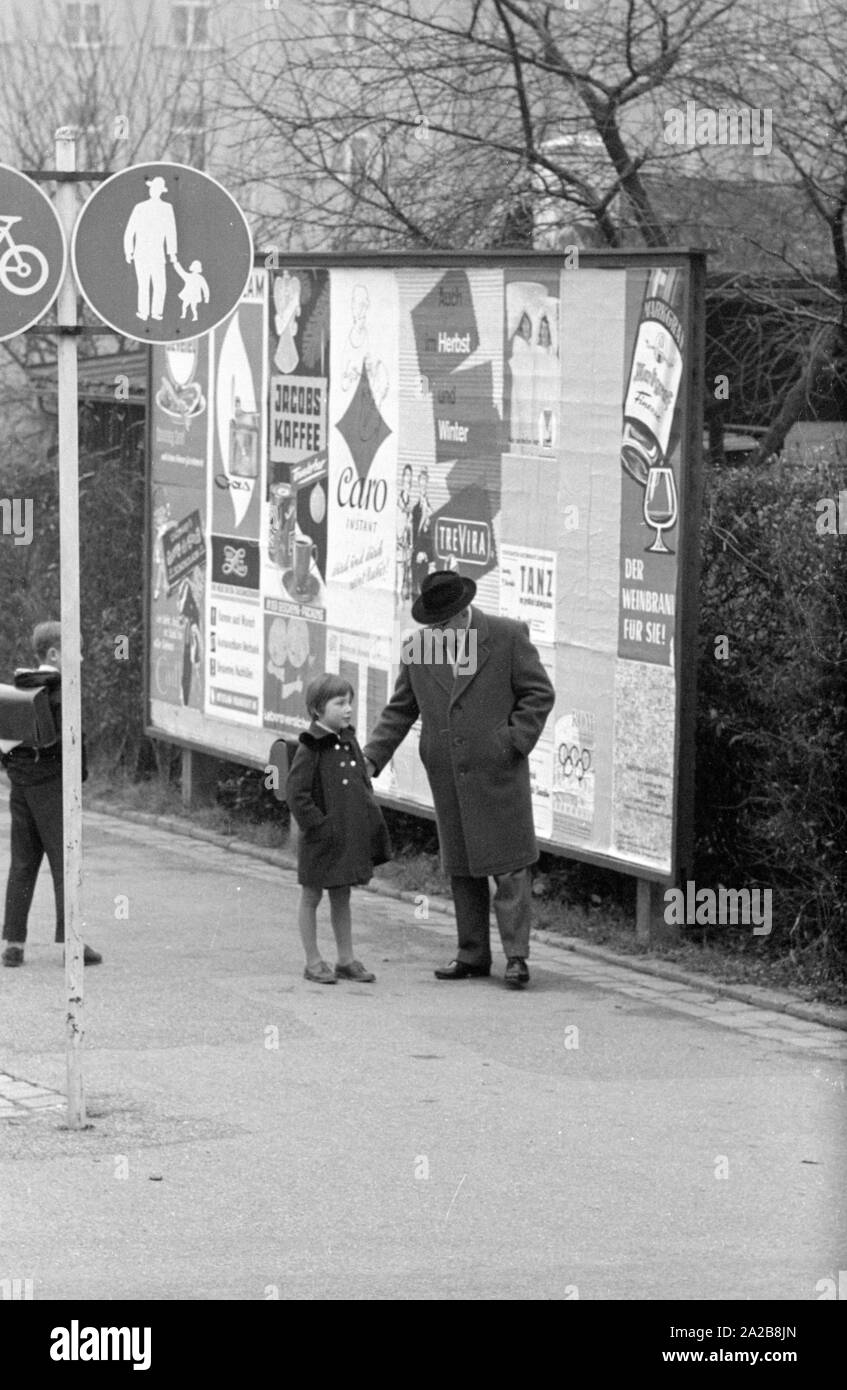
{"x":66,"y":205}
{"x":198,"y":778}
{"x":649,"y":901}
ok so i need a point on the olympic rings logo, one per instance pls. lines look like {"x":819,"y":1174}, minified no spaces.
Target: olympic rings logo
{"x":574,"y":760}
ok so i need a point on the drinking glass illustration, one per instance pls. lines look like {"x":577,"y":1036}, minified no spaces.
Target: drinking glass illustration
{"x":282,"y":518}
{"x":182,"y":361}
{"x":304,"y":553}
{"x":660,"y":506}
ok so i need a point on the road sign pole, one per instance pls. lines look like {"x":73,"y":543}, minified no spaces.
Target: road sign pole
{"x":66,"y":206}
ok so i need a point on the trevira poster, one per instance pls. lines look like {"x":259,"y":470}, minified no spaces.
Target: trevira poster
{"x":353,"y":427}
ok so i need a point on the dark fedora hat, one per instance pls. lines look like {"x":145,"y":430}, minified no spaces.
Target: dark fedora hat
{"x":443,"y":594}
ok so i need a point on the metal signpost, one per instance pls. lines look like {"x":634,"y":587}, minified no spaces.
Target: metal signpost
{"x":71,"y":693}
{"x":126,"y":248}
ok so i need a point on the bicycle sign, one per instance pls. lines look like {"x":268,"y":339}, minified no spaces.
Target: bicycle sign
{"x":33,"y":253}
{"x":23,"y":269}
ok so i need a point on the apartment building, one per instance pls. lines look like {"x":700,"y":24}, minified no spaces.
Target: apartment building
{"x":150,"y":79}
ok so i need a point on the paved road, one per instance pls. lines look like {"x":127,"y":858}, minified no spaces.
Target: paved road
{"x":603,"y":1135}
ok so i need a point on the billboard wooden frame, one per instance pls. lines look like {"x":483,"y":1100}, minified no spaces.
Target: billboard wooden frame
{"x":690,"y":503}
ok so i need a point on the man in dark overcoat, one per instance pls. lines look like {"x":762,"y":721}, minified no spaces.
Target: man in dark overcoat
{"x":481,"y":716}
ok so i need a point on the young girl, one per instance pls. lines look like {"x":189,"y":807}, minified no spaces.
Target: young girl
{"x":343,"y":834}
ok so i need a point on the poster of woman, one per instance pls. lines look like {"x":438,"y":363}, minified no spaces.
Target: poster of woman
{"x":532,"y":366}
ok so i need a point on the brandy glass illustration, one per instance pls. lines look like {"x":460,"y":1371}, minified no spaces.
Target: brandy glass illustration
{"x":182,"y":361}
{"x":660,"y":506}
{"x":180,"y":396}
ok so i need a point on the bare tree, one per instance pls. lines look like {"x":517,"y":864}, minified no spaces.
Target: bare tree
{"x":797,"y":71}
{"x":476,"y":123}
{"x":127,"y":93}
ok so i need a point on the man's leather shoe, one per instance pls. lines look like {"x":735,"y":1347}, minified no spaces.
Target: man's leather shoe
{"x":517,"y":973}
{"x":458,"y":970}
{"x":13,"y":955}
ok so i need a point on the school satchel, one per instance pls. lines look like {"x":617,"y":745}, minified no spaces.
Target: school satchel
{"x":26,"y":716}
{"x":278,"y":759}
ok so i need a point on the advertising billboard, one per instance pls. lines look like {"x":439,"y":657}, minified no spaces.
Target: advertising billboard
{"x":361,"y":420}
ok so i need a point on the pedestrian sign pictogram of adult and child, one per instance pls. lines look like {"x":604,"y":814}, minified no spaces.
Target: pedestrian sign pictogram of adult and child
{"x":151,"y":236}
{"x":162,"y":252}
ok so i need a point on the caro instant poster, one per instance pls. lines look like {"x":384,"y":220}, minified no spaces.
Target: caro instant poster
{"x":362,"y":448}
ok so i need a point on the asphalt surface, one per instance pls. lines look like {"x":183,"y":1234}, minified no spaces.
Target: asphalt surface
{"x":601,"y":1135}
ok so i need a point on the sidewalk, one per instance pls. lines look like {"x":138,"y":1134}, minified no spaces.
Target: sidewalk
{"x":256,"y":1136}
{"x":776,"y":1000}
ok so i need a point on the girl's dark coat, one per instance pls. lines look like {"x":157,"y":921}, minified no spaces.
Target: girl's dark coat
{"x":343,"y":834}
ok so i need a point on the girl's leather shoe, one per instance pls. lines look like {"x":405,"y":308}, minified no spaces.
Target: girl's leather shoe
{"x":321,"y":975}
{"x":355,"y":971}
{"x":517,"y":973}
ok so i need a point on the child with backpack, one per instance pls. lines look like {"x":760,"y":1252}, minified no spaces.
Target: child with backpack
{"x":342,"y":832}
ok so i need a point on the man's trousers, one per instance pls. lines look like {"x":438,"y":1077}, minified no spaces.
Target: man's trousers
{"x":36,"y":830}
{"x":512,"y":908}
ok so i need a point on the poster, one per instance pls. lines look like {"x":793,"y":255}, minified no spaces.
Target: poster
{"x":295,"y":654}
{"x":237,"y":358}
{"x":533,"y":369}
{"x":528,"y":589}
{"x":644,"y":763}
{"x":177,"y":598}
{"x":179,"y":412}
{"x":363,"y":430}
{"x":237,"y":455}
{"x":294,"y":531}
{"x":574,"y":772}
{"x":364,"y":659}
{"x":179,"y":432}
{"x":299,"y":366}
{"x":541,"y":760}
{"x":650,"y":466}
{"x":451,"y":363}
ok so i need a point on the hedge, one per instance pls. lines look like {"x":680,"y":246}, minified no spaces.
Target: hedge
{"x":772,"y":666}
